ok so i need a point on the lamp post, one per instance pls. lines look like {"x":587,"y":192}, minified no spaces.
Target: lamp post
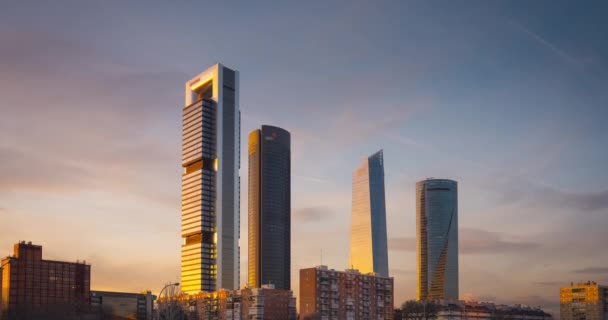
{"x":166,"y":286}
{"x":160,"y":295}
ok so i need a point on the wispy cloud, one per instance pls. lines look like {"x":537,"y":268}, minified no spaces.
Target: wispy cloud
{"x":545,"y":43}
{"x":592,"y":270}
{"x":473,"y":241}
{"x":312,"y":214}
{"x":312,"y":179}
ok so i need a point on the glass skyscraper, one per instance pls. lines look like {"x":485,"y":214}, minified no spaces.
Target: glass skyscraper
{"x":437,"y":239}
{"x":368,"y":244}
{"x":270,"y":207}
{"x":210,"y":182}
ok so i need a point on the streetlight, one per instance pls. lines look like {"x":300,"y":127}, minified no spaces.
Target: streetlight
{"x":160,"y":296}
{"x":166,"y":286}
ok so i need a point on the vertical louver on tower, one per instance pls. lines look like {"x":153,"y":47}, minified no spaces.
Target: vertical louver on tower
{"x":210,"y":182}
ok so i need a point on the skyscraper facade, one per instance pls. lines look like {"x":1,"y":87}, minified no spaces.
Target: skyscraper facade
{"x":368,"y":244}
{"x":210,"y":182}
{"x":270,"y":207}
{"x":437,"y":239}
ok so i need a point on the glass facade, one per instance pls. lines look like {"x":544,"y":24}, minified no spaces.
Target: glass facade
{"x":210,"y":182}
{"x":368,"y":243}
{"x":437,"y":239}
{"x":270,"y":207}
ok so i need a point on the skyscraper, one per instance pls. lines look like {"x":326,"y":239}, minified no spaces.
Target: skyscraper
{"x":437,"y":239}
{"x":368,"y":247}
{"x":270,"y":207}
{"x":210,"y":182}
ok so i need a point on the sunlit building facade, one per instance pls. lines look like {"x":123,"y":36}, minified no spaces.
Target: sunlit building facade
{"x":210,"y":182}
{"x":269,"y":207}
{"x":33,"y":288}
{"x":437,"y":239}
{"x":327,"y":294}
{"x":265,"y":303}
{"x":584,"y":301}
{"x":368,"y":243}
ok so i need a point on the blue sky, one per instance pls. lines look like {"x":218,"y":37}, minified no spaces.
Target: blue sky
{"x":509,"y":100}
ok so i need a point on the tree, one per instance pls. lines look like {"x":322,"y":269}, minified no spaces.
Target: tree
{"x":169,"y":307}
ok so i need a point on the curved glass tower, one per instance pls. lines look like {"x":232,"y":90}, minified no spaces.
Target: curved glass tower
{"x":368,"y":244}
{"x":437,"y":239}
{"x":270,"y":208}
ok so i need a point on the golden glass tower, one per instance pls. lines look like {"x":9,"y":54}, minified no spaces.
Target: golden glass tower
{"x":368,"y":244}
{"x":210,"y":182}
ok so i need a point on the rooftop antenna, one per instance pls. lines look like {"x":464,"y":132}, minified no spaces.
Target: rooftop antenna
{"x":321,"y":256}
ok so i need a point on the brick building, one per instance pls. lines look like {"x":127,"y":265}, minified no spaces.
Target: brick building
{"x":330,"y":294}
{"x":32,"y":285}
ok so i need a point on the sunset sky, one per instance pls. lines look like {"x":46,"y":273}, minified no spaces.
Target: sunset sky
{"x":512,"y":102}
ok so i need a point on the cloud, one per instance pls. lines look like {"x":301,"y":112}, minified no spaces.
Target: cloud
{"x":312,"y":179}
{"x":535,"y":194}
{"x":476,"y":241}
{"x":544,"y":42}
{"x":402,"y":243}
{"x":402,"y":272}
{"x":592,"y":270}
{"x":549,"y":283}
{"x":312,"y":214}
{"x":472,"y":241}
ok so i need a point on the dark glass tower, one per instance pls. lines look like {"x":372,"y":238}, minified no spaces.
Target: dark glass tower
{"x":437,"y":239}
{"x":270,"y":207}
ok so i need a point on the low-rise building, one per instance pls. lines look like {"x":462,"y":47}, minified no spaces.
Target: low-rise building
{"x":32,"y":286}
{"x":123,"y":305}
{"x":469,"y":310}
{"x":329,"y":294}
{"x":584,"y":301}
{"x":265,"y":303}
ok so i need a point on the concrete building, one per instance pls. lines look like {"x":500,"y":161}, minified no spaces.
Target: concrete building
{"x":329,"y":294}
{"x":123,"y":305}
{"x":270,"y":207}
{"x":265,"y":303}
{"x":32,"y":287}
{"x":584,"y":301}
{"x":368,"y":242}
{"x":210,"y":182}
{"x":437,"y":239}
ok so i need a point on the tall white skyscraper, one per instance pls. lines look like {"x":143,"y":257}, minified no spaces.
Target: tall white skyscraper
{"x":437,"y":239}
{"x":368,"y":244}
{"x":210,"y":182}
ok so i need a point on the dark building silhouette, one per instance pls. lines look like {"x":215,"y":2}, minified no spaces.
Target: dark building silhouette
{"x":270,"y":207}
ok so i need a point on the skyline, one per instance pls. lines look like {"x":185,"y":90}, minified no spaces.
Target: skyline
{"x":507,"y":101}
